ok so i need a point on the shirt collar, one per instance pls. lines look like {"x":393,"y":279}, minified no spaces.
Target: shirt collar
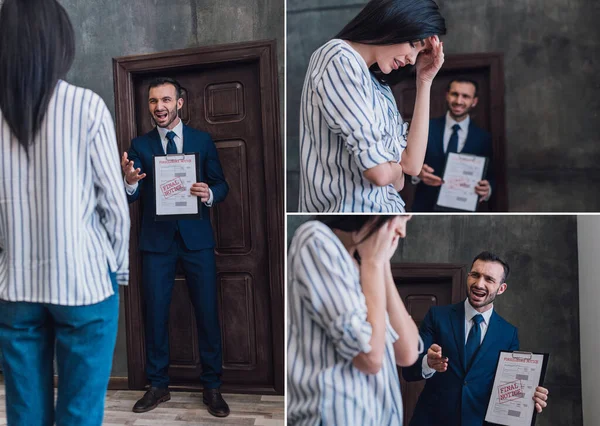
{"x":464,"y":125}
{"x":470,"y":312}
{"x":162,"y":131}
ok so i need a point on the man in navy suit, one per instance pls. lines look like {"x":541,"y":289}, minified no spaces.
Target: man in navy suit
{"x":464,"y":342}
{"x":454,"y":132}
{"x":164,"y":243}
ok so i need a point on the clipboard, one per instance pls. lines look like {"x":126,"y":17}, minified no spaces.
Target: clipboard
{"x":187,"y":216}
{"x":526,"y":358}
{"x":441,"y":208}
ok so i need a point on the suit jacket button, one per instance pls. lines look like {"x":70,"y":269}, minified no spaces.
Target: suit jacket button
{"x":465,"y":383}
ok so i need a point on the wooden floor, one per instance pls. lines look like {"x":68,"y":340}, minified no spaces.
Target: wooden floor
{"x":184,"y":408}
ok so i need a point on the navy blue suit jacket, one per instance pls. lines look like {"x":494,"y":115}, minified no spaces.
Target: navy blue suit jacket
{"x":460,"y":395}
{"x":479,"y":142}
{"x":157,"y":236}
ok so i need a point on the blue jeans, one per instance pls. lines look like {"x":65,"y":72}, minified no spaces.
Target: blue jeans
{"x":84,"y":339}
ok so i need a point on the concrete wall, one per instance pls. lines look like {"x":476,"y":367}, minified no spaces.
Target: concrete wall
{"x":588,"y":236}
{"x":551,"y":54}
{"x":106,"y":29}
{"x":542,"y":299}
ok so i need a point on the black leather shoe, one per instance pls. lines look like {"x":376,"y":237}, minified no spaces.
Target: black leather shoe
{"x":151,"y":399}
{"x":216,"y":404}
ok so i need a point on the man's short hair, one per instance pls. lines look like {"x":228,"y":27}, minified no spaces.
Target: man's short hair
{"x":463,"y":80}
{"x":159,"y":81}
{"x":486,"y":256}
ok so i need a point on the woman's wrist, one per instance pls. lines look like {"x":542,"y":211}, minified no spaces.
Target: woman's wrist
{"x":376,"y":262}
{"x":424,"y":84}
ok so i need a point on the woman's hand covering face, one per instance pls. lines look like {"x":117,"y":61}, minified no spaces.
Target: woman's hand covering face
{"x":430,"y":61}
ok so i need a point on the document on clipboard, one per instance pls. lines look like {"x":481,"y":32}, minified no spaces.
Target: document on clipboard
{"x":174,"y":174}
{"x":461,"y":175}
{"x":517,"y":375}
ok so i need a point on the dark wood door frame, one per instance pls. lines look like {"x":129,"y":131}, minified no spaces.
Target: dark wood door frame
{"x":455,"y":272}
{"x":493,"y":63}
{"x":412,"y":274}
{"x":264,"y":52}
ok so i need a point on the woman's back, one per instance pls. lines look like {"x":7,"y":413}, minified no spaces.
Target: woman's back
{"x":63,"y":213}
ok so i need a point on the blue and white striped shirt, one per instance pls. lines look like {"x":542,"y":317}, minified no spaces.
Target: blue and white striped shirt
{"x":328,"y":327}
{"x":349,"y":123}
{"x":64,"y":218}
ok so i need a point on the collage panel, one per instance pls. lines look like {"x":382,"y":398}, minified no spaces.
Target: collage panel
{"x":301,"y":212}
{"x":142,"y":235}
{"x":381,"y":319}
{"x":502,"y":132}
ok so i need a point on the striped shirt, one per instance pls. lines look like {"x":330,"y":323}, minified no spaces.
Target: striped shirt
{"x":327,"y":328}
{"x":349,"y":122}
{"x":64,"y":219}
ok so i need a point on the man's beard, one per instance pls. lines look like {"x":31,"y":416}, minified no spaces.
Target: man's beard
{"x":489,"y":298}
{"x":171,"y":115}
{"x":455,"y":117}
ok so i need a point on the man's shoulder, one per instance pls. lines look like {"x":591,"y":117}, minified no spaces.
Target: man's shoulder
{"x":144,"y":137}
{"x":196,"y":134}
{"x":479,"y":131}
{"x":441,"y":311}
{"x":438,"y":121}
{"x":504,"y":322}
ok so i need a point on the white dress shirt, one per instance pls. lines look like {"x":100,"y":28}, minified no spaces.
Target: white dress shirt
{"x":178,"y":139}
{"x":470,"y":312}
{"x":64,"y":220}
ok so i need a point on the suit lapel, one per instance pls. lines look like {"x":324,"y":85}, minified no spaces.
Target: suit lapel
{"x":470,"y":145}
{"x":457,"y":319}
{"x":156,"y":144}
{"x":189,"y":144}
{"x":490,"y":337}
{"x":439,"y":135}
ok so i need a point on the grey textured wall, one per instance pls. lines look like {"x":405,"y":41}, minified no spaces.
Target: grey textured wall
{"x":106,"y":29}
{"x":552,"y":56}
{"x":542,"y":299}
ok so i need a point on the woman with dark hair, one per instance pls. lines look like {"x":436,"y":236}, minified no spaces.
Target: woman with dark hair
{"x":347,"y":326}
{"x":64,"y":224}
{"x":354,"y":146}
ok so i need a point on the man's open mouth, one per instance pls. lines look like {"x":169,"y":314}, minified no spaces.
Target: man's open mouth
{"x":479,"y":294}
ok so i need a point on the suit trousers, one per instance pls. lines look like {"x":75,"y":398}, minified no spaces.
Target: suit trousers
{"x":159,"y":271}
{"x":84,"y":340}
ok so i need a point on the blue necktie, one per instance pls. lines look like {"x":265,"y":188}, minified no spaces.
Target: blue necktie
{"x":474,"y":339}
{"x":171,"y":147}
{"x":453,"y":142}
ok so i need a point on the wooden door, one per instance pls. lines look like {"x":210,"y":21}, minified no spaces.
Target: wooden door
{"x":488,"y":71}
{"x":230,"y":92}
{"x":422,"y":286}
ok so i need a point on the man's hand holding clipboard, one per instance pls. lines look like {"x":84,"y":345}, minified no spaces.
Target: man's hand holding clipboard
{"x":462,"y":179}
{"x":517,"y":392}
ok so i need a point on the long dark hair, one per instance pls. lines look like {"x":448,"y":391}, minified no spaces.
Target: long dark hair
{"x":38,"y":47}
{"x":352,"y":223}
{"x":385,"y":22}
